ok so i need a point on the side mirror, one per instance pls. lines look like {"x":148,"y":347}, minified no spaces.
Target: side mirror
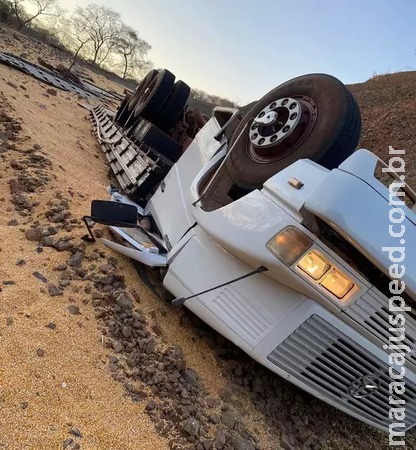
{"x":110,"y":213}
{"x":113,"y":213}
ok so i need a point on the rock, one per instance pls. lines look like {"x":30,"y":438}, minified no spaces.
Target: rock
{"x":124,"y":302}
{"x":225,"y":395}
{"x":220,"y":439}
{"x":257,"y":385}
{"x":190,"y":378}
{"x":151,"y":405}
{"x":62,"y":245}
{"x":117,"y":347}
{"x":51,"y":91}
{"x":67,"y":443}
{"x":13,"y":223}
{"x":75,"y":432}
{"x":287,"y":442}
{"x":207,"y":444}
{"x":239,"y":443}
{"x":76,"y":259}
{"x":16,"y":187}
{"x":9,"y":321}
{"x":61,"y":266}
{"x":20,"y":262}
{"x":213,"y":418}
{"x":81,"y":272}
{"x":74,"y":310}
{"x":211,"y":403}
{"x":14,"y":86}
{"x":24,"y":405}
{"x":113,"y":367}
{"x":40,"y":277}
{"x":191,"y":426}
{"x":150,"y":348}
{"x":228,"y":419}
{"x":40,"y":352}
{"x":15,"y":165}
{"x":64,"y":283}
{"x":54,"y":290}
{"x":157,"y":329}
{"x":126,"y":331}
{"x":34,"y":234}
{"x":51,"y":325}
{"x":47,"y":241}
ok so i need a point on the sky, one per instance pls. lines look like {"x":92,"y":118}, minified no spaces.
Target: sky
{"x":240,"y":49}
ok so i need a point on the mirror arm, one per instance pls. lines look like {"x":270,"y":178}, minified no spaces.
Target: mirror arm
{"x":91,"y":237}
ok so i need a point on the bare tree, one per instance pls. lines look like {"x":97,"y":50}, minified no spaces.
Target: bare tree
{"x":132,"y":50}
{"x":102,"y":25}
{"x":40,"y":8}
{"x":71,"y":34}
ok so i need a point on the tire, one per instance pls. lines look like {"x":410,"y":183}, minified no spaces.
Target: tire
{"x":328,"y":136}
{"x":153,"y":97}
{"x":123,"y":112}
{"x":174,"y":105}
{"x":140,"y":89}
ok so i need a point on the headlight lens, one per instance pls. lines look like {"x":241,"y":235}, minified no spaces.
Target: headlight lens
{"x":289,"y":245}
{"x":314,"y":264}
{"x":337,"y":284}
{"x":321,"y":270}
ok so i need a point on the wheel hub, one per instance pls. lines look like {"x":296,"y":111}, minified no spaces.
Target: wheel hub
{"x":280,"y":128}
{"x":275,"y":122}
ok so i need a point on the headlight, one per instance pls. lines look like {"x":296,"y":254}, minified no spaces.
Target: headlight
{"x":314,"y":265}
{"x":337,"y":283}
{"x":289,"y":245}
{"x":324,"y":273}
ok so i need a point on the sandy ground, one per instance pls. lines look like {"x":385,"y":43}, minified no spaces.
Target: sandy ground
{"x":69,"y":386}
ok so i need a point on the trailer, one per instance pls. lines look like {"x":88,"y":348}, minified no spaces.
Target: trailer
{"x":273,"y":229}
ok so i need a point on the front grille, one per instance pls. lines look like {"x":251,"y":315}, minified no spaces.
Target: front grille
{"x":327,"y":360}
{"x":372,"y":312}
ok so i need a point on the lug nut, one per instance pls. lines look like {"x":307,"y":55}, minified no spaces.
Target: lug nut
{"x":286,"y":129}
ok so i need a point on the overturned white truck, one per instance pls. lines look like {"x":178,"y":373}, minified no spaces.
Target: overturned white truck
{"x":273,"y":230}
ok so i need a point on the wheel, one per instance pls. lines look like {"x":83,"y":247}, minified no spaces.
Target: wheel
{"x":313,"y":116}
{"x":123,"y":112}
{"x":174,"y":105}
{"x":141,"y":88}
{"x":153,"y":97}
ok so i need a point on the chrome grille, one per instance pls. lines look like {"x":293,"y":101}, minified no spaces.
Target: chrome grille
{"x":372,"y":312}
{"x":325,"y":359}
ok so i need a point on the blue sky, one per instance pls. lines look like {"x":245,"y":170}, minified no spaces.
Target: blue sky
{"x":240,"y":49}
